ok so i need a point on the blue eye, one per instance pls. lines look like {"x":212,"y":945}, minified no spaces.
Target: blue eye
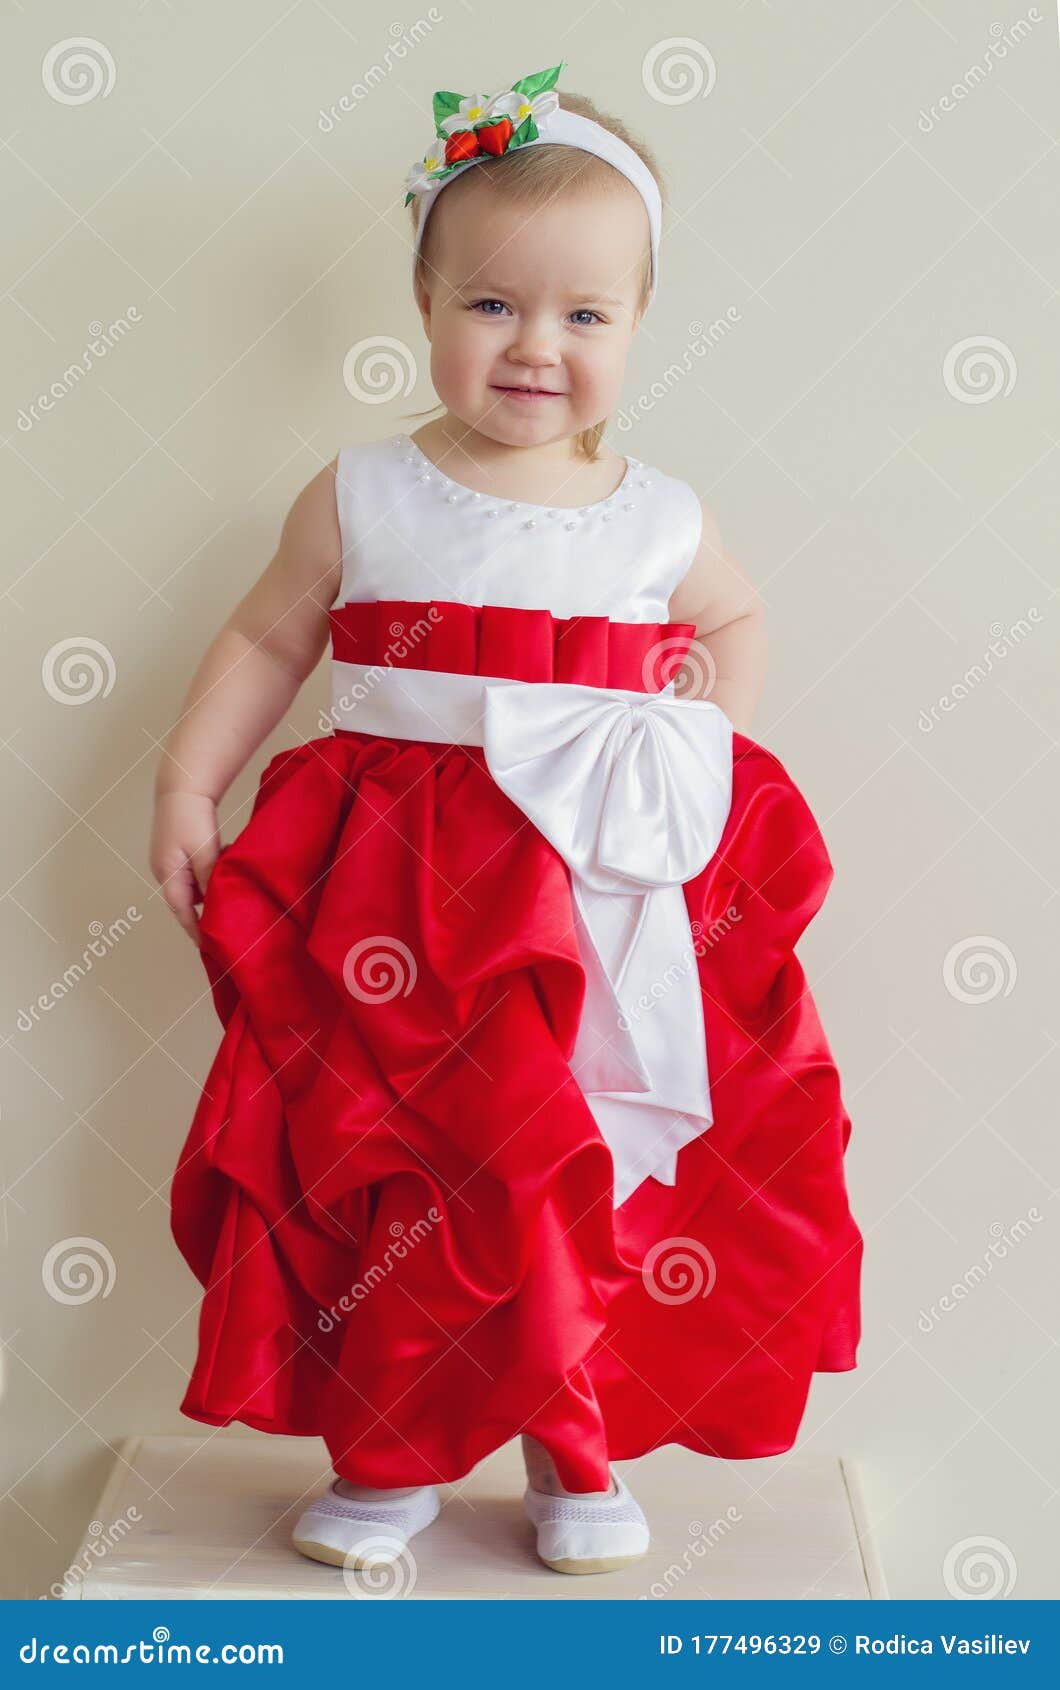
{"x":482,"y":306}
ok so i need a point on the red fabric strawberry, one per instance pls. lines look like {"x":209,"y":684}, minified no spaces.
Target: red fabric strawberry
{"x":463,"y":144}
{"x":494,"y":137}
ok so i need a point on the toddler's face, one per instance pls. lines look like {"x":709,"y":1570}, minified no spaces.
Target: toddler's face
{"x":519,"y":299}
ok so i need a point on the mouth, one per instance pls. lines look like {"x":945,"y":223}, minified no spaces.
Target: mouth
{"x":525,"y":393}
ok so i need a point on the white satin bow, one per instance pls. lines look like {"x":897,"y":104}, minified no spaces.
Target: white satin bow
{"x":633,"y":790}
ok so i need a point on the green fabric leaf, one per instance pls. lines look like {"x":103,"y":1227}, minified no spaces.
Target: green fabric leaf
{"x":539,"y":82}
{"x":527,"y":131}
{"x":445,"y":105}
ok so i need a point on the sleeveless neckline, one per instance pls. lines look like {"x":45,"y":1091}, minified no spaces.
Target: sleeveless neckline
{"x":623,"y":488}
{"x":410,"y":532}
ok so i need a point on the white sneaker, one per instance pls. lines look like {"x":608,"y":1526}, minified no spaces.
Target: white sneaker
{"x":588,"y":1534}
{"x":346,"y":1533}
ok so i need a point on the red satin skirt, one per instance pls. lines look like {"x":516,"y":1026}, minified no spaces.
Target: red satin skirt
{"x":393,"y":1191}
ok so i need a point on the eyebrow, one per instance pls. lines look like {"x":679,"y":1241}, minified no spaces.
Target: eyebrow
{"x":489,"y":285}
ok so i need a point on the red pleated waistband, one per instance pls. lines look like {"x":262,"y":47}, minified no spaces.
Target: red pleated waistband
{"x":509,"y":641}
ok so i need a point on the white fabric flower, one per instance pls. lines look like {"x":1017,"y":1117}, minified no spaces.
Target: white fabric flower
{"x":420,"y":176}
{"x":518,"y":107}
{"x":470,"y":111}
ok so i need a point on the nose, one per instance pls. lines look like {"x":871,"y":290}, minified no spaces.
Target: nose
{"x":534,"y":344}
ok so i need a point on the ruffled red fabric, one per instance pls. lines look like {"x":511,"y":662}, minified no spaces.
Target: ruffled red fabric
{"x":508,"y":640}
{"x":393,"y":1191}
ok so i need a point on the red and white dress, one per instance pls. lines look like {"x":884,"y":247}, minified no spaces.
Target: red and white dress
{"x":523,"y":1118}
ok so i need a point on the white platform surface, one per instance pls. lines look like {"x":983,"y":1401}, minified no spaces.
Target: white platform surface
{"x":212,"y":1517}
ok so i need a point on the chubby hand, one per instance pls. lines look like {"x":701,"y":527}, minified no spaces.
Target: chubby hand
{"x":184,"y":848}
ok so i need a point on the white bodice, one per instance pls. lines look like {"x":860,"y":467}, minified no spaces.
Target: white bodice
{"x":411,"y":532}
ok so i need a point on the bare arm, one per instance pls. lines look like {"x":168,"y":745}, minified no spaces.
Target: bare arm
{"x":727,"y":658}
{"x":249,"y":675}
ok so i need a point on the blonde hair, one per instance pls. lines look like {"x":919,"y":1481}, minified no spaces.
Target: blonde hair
{"x":535,"y":175}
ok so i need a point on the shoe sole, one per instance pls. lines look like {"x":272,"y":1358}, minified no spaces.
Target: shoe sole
{"x":333,"y":1557}
{"x":596,"y":1564}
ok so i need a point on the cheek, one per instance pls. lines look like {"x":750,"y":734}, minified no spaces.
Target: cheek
{"x":599,"y":362}
{"x":458,"y":352}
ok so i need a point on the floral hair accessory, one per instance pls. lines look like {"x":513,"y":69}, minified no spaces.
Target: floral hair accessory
{"x":472,"y":127}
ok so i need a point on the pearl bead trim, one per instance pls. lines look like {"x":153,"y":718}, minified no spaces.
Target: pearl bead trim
{"x":455,"y":493}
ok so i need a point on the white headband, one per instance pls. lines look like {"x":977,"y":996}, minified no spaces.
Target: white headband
{"x":542,"y":121}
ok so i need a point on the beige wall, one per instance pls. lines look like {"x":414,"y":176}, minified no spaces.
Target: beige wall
{"x":876,"y":429}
